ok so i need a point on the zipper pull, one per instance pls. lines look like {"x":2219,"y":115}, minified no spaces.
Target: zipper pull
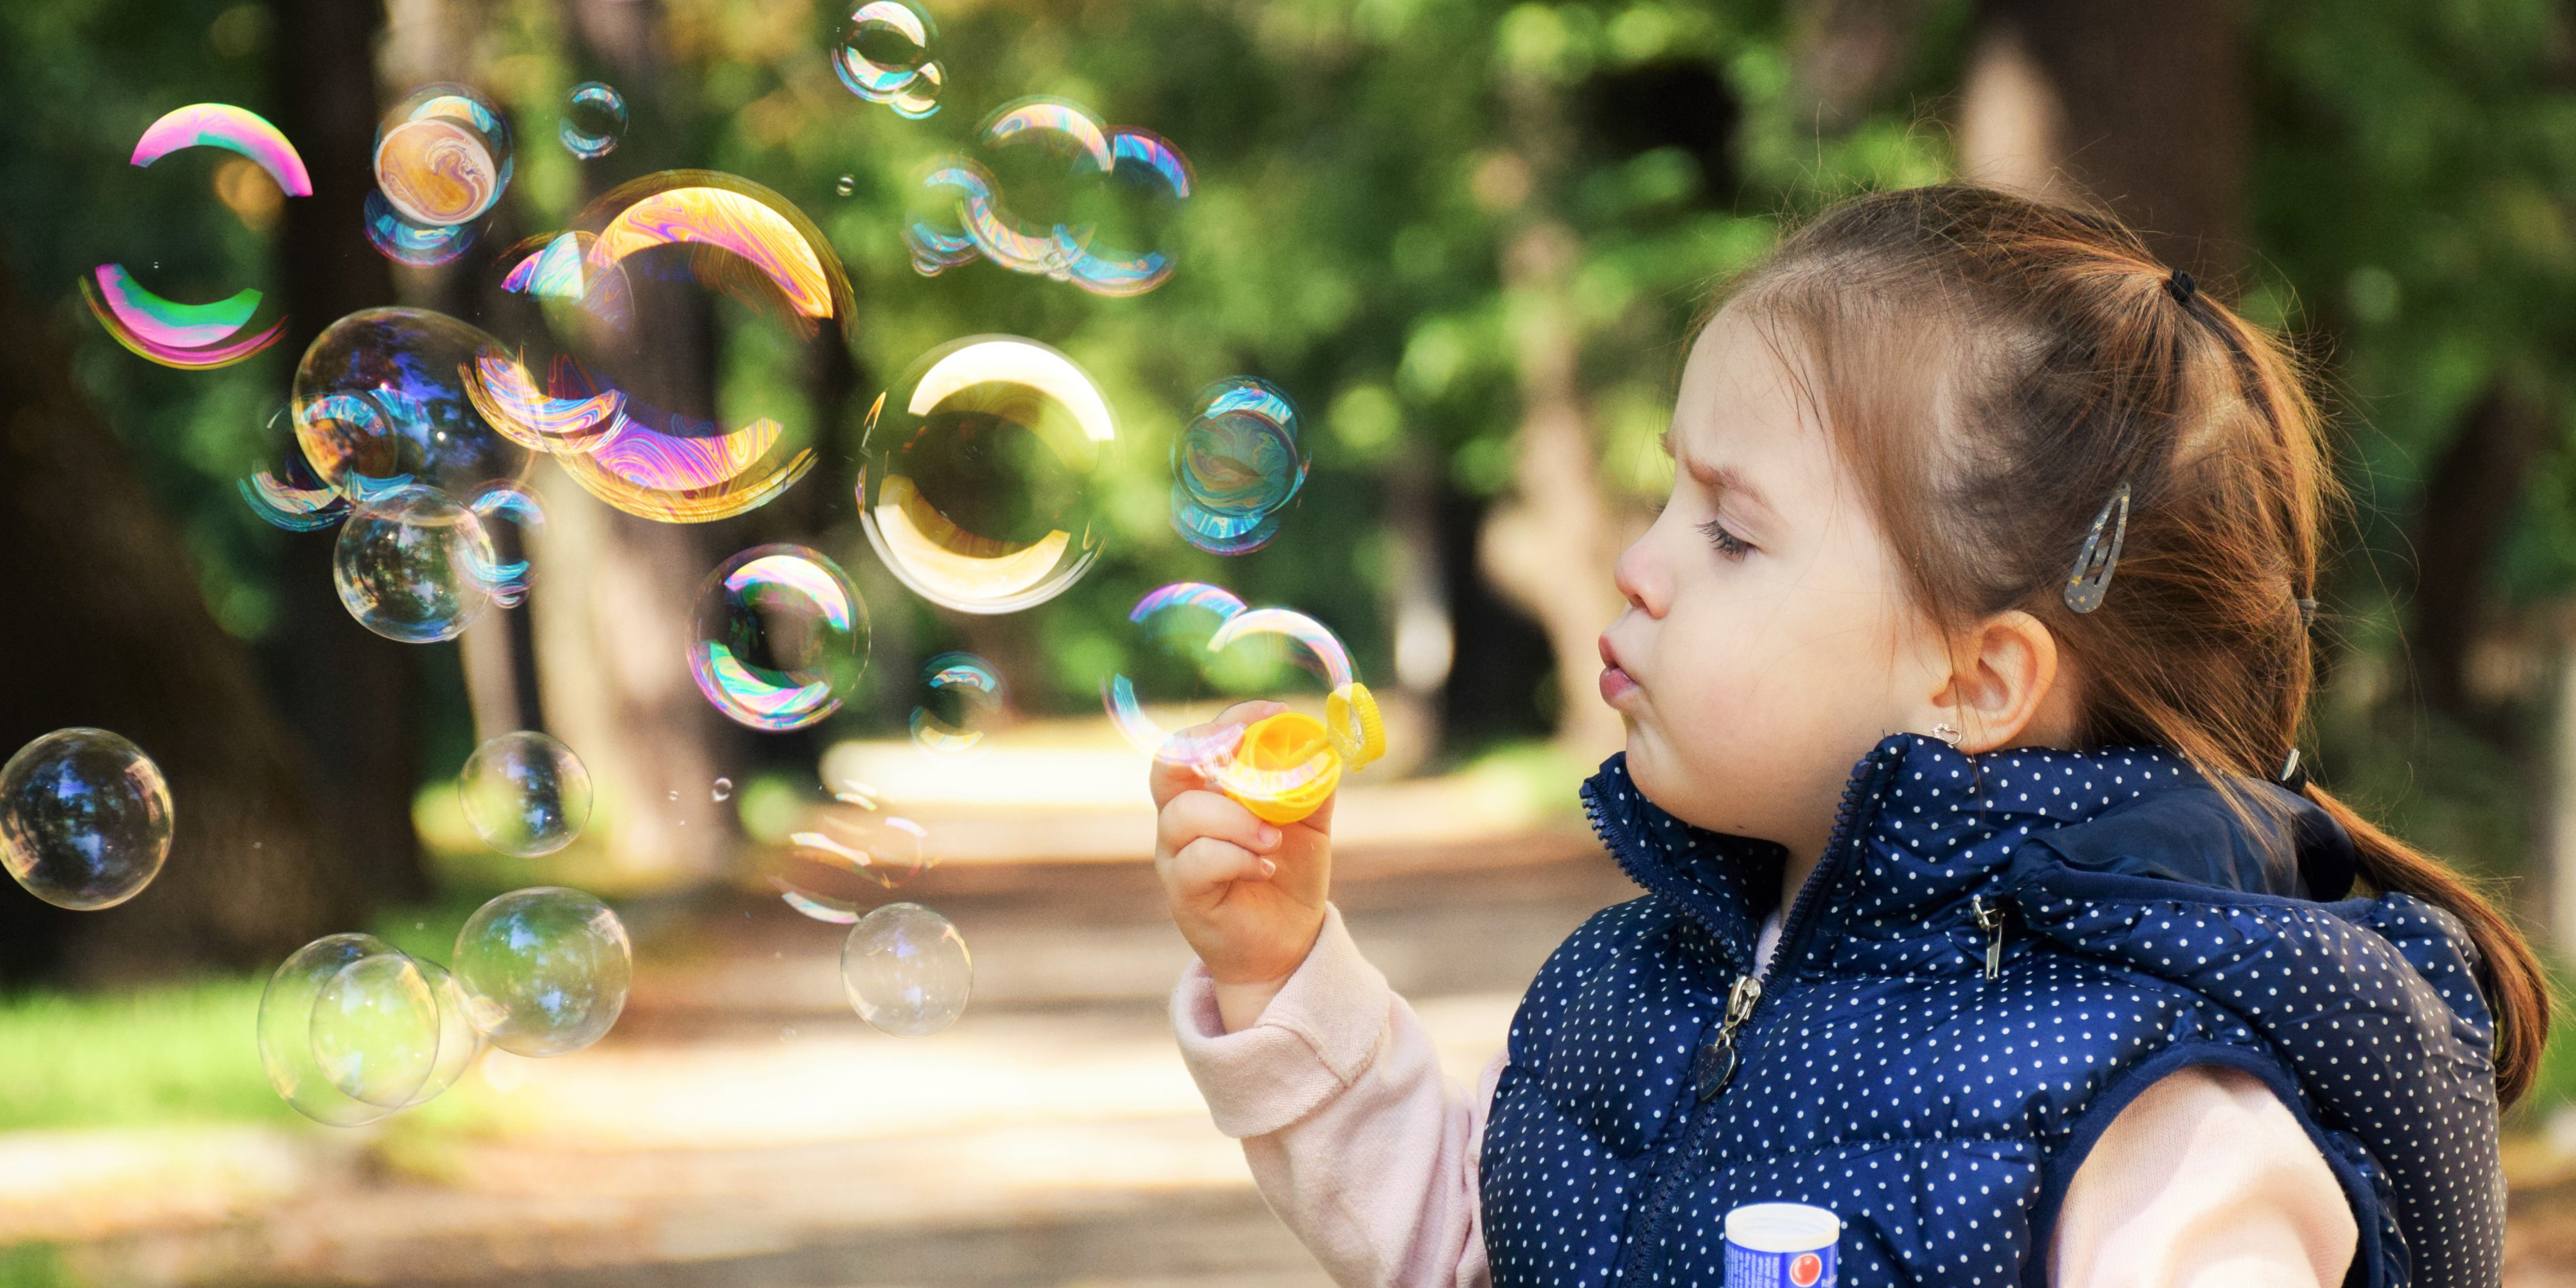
{"x":1990,"y":919}
{"x":1714,"y":1066}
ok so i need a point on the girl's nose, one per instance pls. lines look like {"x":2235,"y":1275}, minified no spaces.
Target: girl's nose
{"x":1639,"y":582}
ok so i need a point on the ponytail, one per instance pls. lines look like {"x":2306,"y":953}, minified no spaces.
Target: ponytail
{"x":2507,"y":972}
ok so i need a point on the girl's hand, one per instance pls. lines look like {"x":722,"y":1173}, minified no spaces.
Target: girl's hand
{"x":1247,"y":895}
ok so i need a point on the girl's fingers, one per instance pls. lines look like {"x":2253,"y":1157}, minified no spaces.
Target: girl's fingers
{"x":1193,"y":815}
{"x":1207,"y":862}
{"x":1172,"y":776}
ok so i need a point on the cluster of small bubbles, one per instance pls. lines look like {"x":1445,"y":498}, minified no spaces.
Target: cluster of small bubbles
{"x":966,"y":216}
{"x":961,"y":701}
{"x":982,"y":473}
{"x":781,"y":637}
{"x":544,"y":970}
{"x":906,"y":970}
{"x":443,"y":157}
{"x":1236,"y":467}
{"x":412,"y":564}
{"x":526,"y":793}
{"x":352,"y":1029}
{"x":594,"y":120}
{"x":84,"y":818}
{"x":884,"y":57}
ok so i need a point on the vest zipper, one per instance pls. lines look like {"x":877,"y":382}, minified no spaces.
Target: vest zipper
{"x":1741,"y":1000}
{"x":1990,"y":919}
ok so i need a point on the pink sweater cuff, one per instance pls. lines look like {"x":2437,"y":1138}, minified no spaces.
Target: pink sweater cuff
{"x":1312,"y":1041}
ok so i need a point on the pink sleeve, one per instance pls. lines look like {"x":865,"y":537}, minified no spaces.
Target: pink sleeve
{"x":2204,"y":1181}
{"x":1355,"y":1138}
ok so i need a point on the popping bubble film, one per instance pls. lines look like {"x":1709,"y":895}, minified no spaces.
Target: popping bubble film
{"x":382,"y":393}
{"x":286,"y":1029}
{"x":526,"y":793}
{"x":781,"y":637}
{"x":592,"y":377}
{"x":1236,"y":466}
{"x":443,"y":155}
{"x":375,"y":1030}
{"x":84,"y":819}
{"x":593,"y":121}
{"x":411,"y":564}
{"x":961,"y":699}
{"x":884,"y":57}
{"x":1142,"y":178}
{"x":906,"y":970}
{"x":544,"y":970}
{"x":980,"y":473}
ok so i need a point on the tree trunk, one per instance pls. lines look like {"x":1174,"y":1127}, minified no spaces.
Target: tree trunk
{"x":111,"y":630}
{"x":2467,"y":511}
{"x":352,"y":696}
{"x":2144,"y":108}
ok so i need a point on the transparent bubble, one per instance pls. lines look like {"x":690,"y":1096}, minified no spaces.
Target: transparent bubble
{"x":375,"y":1030}
{"x":286,"y":1029}
{"x":851,"y":834}
{"x":845,"y":185}
{"x":1174,"y":686}
{"x":982,"y":482}
{"x":443,"y":155}
{"x":1236,"y":466}
{"x":412,"y":564}
{"x":84,"y":818}
{"x":884,"y":57}
{"x":723,"y":790}
{"x":291,"y":496}
{"x":544,"y":970}
{"x":782,"y":637}
{"x":458,"y":1041}
{"x":380,"y":395}
{"x":962,"y":699}
{"x":609,"y":315}
{"x":594,"y":120}
{"x":405,"y":240}
{"x":1132,"y":183}
{"x":526,"y":793}
{"x":906,"y":970}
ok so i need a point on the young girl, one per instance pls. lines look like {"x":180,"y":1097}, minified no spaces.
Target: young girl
{"x":2074,"y":979}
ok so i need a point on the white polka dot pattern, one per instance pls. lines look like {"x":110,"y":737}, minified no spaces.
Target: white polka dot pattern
{"x":1938,"y":1111}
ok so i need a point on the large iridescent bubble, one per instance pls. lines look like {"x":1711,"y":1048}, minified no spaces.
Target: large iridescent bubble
{"x":614,"y":312}
{"x":983,"y":469}
{"x":382,"y":394}
{"x":781,"y":637}
{"x":544,"y":970}
{"x":1236,"y":467}
{"x":84,"y":818}
{"x":197,"y":337}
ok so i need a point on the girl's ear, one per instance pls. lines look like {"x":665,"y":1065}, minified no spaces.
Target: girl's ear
{"x":2006,"y":686}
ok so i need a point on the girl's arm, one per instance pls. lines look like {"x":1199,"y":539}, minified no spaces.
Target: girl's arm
{"x":1354,"y":1137}
{"x":2204,"y":1181}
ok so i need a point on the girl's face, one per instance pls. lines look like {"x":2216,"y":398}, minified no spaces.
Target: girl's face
{"x":1768,"y":641}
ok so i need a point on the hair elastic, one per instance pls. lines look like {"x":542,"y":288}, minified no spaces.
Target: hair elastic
{"x":2095,"y":563}
{"x":2180,"y":286}
{"x":2294,"y":772}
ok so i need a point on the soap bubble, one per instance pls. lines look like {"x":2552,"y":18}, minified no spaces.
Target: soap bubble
{"x":1143,"y":178}
{"x":544,"y":970}
{"x":458,"y":1042}
{"x":723,"y":791}
{"x":406,"y":240}
{"x":845,"y":185}
{"x":853,"y":835}
{"x":84,"y":819}
{"x":375,"y":1029}
{"x":1177,"y":622}
{"x":782,"y":637}
{"x":906,"y":970}
{"x":1236,"y":466}
{"x":602,"y":378}
{"x":196,"y":337}
{"x":594,"y":119}
{"x":981,"y":473}
{"x":291,"y":496}
{"x":412,"y":564}
{"x":884,"y":57}
{"x":380,"y":394}
{"x":963,"y":698}
{"x":443,"y":155}
{"x":526,"y":793}
{"x":286,"y":1013}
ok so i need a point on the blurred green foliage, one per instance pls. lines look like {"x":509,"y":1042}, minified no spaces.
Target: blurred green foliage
{"x":171,"y":1054}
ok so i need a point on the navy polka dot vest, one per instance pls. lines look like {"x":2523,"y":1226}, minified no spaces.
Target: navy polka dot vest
{"x":1881,"y":1071}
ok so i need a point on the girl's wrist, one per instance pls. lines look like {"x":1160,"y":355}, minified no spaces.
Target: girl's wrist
{"x":1239,"y":1006}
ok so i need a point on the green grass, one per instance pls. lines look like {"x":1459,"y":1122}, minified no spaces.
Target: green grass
{"x":172,"y":1053}
{"x":34,"y":1265}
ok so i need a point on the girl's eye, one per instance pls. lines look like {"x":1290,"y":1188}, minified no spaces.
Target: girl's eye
{"x":1729,"y":545}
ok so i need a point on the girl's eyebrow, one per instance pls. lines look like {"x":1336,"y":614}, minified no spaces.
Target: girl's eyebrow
{"x":1718,"y":478}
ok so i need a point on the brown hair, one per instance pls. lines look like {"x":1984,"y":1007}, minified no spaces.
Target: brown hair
{"x":1993,"y":369}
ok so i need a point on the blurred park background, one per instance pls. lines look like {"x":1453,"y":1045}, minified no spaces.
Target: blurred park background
{"x":1467,"y":236}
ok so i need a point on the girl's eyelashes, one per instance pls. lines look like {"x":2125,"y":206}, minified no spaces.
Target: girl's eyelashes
{"x":1729,"y":545}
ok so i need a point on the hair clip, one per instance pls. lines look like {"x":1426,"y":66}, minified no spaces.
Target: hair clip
{"x":2096,"y":561}
{"x":2307,"y":612}
{"x":2294,"y":773}
{"x":2180,"y":286}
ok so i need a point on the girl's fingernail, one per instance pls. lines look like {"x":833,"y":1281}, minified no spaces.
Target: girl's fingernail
{"x":1269,"y":868}
{"x":1269,"y":835}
